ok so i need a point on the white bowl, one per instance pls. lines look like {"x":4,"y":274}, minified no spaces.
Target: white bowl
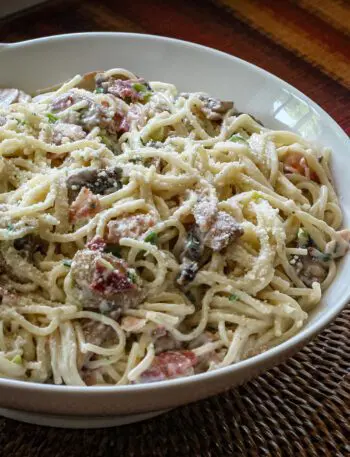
{"x":40,"y":63}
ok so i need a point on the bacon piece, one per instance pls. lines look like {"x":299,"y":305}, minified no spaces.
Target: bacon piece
{"x":105,"y":283}
{"x":170,"y":365}
{"x":126,"y":90}
{"x":85,"y":205}
{"x":223,"y":231}
{"x":133,"y":226}
{"x":109,"y":282}
{"x":218,"y":228}
{"x":96,"y":244}
{"x":119,"y":124}
{"x":205,"y":212}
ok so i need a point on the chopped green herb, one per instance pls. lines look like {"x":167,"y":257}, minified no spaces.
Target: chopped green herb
{"x":256,"y":196}
{"x":113,"y":249}
{"x":17,"y":359}
{"x":67,"y":263}
{"x":10,"y":227}
{"x":146,"y":96}
{"x":303,"y":238}
{"x":238,"y":139}
{"x":152,"y":238}
{"x":99,"y":90}
{"x":21,"y":122}
{"x":132,"y":276}
{"x":52,"y":118}
{"x":233,"y":297}
{"x":139,"y":87}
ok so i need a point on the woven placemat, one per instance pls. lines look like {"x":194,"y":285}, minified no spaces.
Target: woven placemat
{"x":298,"y":409}
{"x":301,"y":408}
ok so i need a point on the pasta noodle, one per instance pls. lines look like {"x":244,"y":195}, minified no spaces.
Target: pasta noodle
{"x":147,"y":234}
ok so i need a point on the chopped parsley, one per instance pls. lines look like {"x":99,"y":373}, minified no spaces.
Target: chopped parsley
{"x":233,"y":297}
{"x":146,"y":96}
{"x":10,"y":227}
{"x":152,"y":238}
{"x":99,"y":90}
{"x":303,"y":238}
{"x":256,"y":196}
{"x":52,"y":118}
{"x":17,"y":359}
{"x":139,"y":87}
{"x":143,"y":91}
{"x":67,"y":263}
{"x":238,"y":139}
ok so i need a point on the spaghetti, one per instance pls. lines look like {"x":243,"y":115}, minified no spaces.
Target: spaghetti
{"x":147,"y":234}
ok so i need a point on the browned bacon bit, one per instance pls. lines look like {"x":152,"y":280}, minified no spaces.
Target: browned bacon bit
{"x":295,"y":162}
{"x":205,"y":212}
{"x":224,"y":230}
{"x":85,"y":205}
{"x":170,"y":365}
{"x":109,"y":282}
{"x":128,"y":89}
{"x":96,"y":244}
{"x":105,"y":283}
{"x":218,"y":228}
{"x":120,"y":123}
{"x":133,"y":226}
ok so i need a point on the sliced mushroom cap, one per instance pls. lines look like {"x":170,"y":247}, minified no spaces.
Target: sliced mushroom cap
{"x":99,"y":181}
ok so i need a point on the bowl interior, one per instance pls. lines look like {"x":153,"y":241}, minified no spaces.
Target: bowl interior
{"x":44,"y":62}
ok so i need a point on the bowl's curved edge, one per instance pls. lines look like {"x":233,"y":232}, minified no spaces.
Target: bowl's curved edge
{"x":76,"y":422}
{"x":268,"y":358}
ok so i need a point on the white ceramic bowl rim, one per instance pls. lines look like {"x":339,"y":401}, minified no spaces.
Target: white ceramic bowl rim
{"x":303,"y":335}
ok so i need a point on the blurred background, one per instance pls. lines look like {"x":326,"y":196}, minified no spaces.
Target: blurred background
{"x":305,"y":42}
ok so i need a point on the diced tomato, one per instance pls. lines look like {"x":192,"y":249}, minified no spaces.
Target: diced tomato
{"x":170,"y":365}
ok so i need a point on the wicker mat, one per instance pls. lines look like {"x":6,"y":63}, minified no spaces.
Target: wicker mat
{"x":301,"y":408}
